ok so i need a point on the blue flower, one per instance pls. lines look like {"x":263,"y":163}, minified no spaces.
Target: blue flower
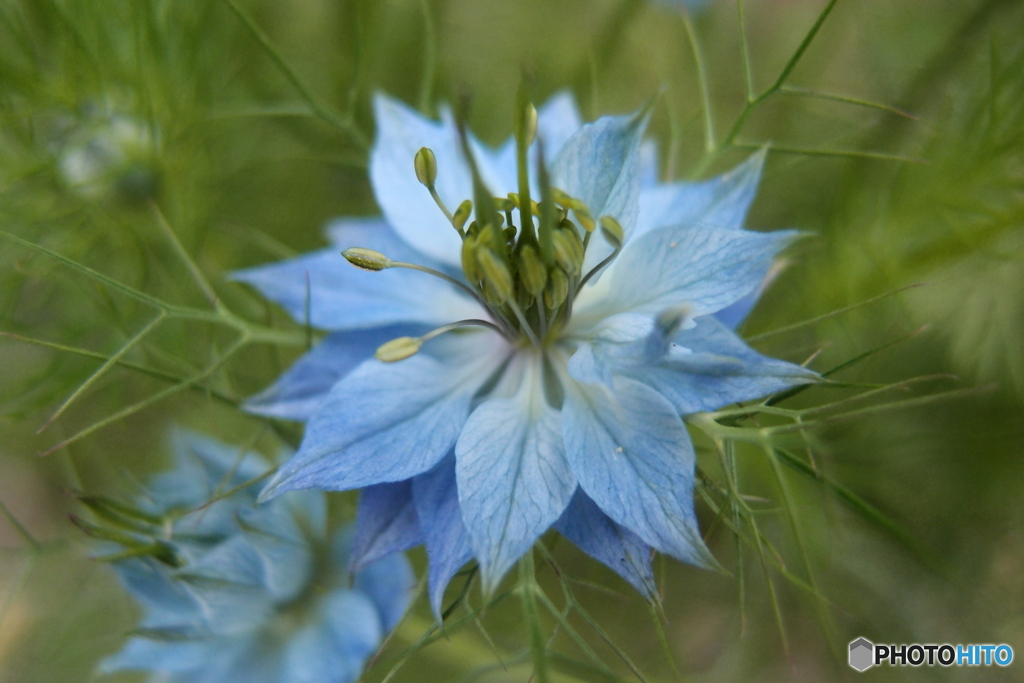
{"x":542,"y":372}
{"x":245,"y":593}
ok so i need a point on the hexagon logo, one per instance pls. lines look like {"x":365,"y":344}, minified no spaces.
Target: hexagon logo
{"x":862,"y":654}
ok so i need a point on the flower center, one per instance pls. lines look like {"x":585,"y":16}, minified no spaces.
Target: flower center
{"x":521,"y":259}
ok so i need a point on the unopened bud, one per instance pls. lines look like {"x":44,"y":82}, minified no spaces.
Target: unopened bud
{"x":557,"y":289}
{"x":495,"y":274}
{"x":531,"y":271}
{"x":426,"y":166}
{"x":366,"y":259}
{"x":462,"y":214}
{"x":612,"y":231}
{"x":398,"y":349}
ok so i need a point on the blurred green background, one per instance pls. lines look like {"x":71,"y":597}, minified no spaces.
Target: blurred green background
{"x":240,"y":129}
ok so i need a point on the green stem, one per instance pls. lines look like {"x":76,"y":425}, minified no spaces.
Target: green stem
{"x":538,"y":646}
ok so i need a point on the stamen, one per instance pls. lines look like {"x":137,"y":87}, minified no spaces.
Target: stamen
{"x":425,"y":164}
{"x":401,"y":348}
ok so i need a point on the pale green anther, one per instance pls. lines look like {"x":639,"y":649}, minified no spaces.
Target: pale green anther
{"x":398,"y":349}
{"x":510,"y":233}
{"x":366,"y":259}
{"x":504,"y":203}
{"x":532,"y":272}
{"x":426,"y":166}
{"x":461,"y":214}
{"x":469,"y":263}
{"x":534,"y":207}
{"x":583,"y":215}
{"x":568,"y":250}
{"x":557,"y":289}
{"x":530,"y":124}
{"x":561,"y":198}
{"x":495,"y":274}
{"x":612,"y":231}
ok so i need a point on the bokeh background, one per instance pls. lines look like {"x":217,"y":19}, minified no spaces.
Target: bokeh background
{"x":232,"y":131}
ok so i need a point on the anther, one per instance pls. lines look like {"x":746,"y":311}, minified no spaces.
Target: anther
{"x":426,"y":167}
{"x":462,"y":214}
{"x":531,"y":271}
{"x":495,"y":274}
{"x":612,"y":231}
{"x":366,"y":259}
{"x":398,"y":349}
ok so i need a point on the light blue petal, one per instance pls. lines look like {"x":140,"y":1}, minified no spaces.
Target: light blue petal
{"x":298,"y":393}
{"x":597,"y":535}
{"x":228,"y":584}
{"x":333,"y":648}
{"x":201,"y":465}
{"x":144,"y":654}
{"x":703,"y":269}
{"x":437,"y":505}
{"x":649,"y":175}
{"x":514,"y":480}
{"x":600,"y":165}
{"x":633,"y":457}
{"x":407,"y":204}
{"x":721,"y":202}
{"x":386,"y":522}
{"x":390,"y":584}
{"x":734,"y":315}
{"x":340,"y":296}
{"x":282,"y":547}
{"x":620,"y":341}
{"x":165,"y":601}
{"x":389,"y":422}
{"x":719,"y":370}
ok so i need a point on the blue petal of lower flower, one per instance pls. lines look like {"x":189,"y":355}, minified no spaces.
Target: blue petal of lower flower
{"x":389,"y":583}
{"x":334,"y":647}
{"x":634,"y":458}
{"x":437,"y":505}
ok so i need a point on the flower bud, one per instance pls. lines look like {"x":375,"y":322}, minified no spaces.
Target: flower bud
{"x":426,"y":166}
{"x":398,"y":349}
{"x":495,"y":274}
{"x":532,"y":272}
{"x":462,"y":214}
{"x":366,"y":259}
{"x":557,"y":289}
{"x":612,"y":231}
